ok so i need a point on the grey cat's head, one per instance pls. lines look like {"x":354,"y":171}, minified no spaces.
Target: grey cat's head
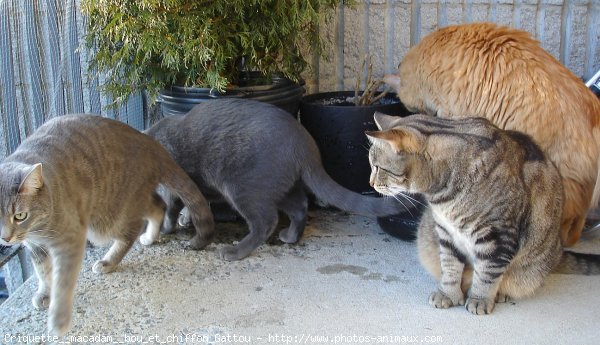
{"x":417,"y":153}
{"x":24,"y":202}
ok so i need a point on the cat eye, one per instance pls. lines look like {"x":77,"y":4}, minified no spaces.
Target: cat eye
{"x":21,"y":216}
{"x":391,"y":172}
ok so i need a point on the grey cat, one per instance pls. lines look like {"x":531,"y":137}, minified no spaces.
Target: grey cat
{"x":259,"y":159}
{"x":84,"y":176}
{"x":492,"y":225}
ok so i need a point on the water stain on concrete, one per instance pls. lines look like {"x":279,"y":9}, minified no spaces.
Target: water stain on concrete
{"x":359,"y":271}
{"x":339,"y":268}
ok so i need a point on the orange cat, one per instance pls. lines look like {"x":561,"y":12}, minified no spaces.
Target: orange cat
{"x":504,"y":75}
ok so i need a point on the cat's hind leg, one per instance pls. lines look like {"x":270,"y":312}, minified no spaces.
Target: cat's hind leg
{"x":120,"y":247}
{"x":154,"y":217}
{"x":173,"y":206}
{"x":295,"y":205}
{"x":523,"y":278}
{"x":261,"y":218}
{"x":113,"y":257}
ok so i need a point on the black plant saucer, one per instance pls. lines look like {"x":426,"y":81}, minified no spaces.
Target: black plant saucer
{"x":404,"y":225}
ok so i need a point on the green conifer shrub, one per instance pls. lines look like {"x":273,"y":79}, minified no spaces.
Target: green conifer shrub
{"x":150,"y":44}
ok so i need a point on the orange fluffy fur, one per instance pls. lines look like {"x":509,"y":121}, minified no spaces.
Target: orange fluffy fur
{"x":504,"y":75}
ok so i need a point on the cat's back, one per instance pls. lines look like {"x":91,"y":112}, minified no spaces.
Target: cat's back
{"x":91,"y":147}
{"x":232,"y":128}
{"x":478,"y":37}
{"x":485,"y":48}
{"x":477,"y":145}
{"x":497,"y":72}
{"x":245,"y":116}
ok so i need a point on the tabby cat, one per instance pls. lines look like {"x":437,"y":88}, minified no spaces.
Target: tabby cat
{"x":259,"y":159}
{"x":503,"y":74}
{"x":494,"y":206}
{"x":84,"y":176}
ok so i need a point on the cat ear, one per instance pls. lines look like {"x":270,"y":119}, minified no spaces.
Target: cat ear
{"x":384,"y":121}
{"x":392,"y":80}
{"x":399,"y":140}
{"x":33,"y":180}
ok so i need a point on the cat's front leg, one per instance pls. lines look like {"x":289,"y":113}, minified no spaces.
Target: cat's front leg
{"x":66,"y":264}
{"x":43,"y":271}
{"x":487,"y":275}
{"x":449,"y":292}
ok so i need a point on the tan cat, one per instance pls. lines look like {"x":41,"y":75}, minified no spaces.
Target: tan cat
{"x":80,"y":177}
{"x":503,"y":74}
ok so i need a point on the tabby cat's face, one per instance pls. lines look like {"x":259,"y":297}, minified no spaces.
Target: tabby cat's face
{"x":23,"y":205}
{"x":395,"y":158}
{"x":390,"y":171}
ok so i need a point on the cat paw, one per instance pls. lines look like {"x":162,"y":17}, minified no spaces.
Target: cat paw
{"x":230,"y":253}
{"x":288,"y":236}
{"x":40,"y":301}
{"x":59,"y":323}
{"x":102,"y":266}
{"x":184,"y":219}
{"x":198,"y":242}
{"x":441,"y":301}
{"x":480,"y":306}
{"x":147,"y":239}
{"x":502,"y":298}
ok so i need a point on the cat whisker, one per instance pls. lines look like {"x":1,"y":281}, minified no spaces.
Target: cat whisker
{"x":42,"y":234}
{"x":40,"y":248}
{"x":397,"y":198}
{"x":406,"y":198}
{"x":413,"y":199}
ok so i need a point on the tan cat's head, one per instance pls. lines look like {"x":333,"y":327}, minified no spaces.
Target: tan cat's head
{"x":408,"y":86}
{"x":416,"y":154}
{"x":23,"y":202}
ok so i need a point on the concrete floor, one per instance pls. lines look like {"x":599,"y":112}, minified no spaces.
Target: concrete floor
{"x":345,"y":282}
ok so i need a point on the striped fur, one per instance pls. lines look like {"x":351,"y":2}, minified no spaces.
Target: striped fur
{"x":495,"y":201}
{"x":505,"y":76}
{"x":84,"y":176}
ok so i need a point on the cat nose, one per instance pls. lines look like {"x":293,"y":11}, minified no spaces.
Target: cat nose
{"x":6,"y":238}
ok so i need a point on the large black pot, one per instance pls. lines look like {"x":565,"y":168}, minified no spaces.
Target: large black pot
{"x":338,"y":127}
{"x":279,"y":91}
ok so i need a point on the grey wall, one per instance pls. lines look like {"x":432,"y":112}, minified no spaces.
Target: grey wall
{"x":568,"y":29}
{"x":43,"y":73}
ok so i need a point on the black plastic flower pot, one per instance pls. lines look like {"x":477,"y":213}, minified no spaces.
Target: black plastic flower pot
{"x":338,"y":127}
{"x":279,"y":91}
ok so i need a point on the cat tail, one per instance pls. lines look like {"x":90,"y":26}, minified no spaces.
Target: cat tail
{"x":578,"y":263}
{"x":179,"y":183}
{"x":330,"y":192}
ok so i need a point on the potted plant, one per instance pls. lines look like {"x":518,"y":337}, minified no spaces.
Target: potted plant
{"x":338,"y":121}
{"x":186,"y":51}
